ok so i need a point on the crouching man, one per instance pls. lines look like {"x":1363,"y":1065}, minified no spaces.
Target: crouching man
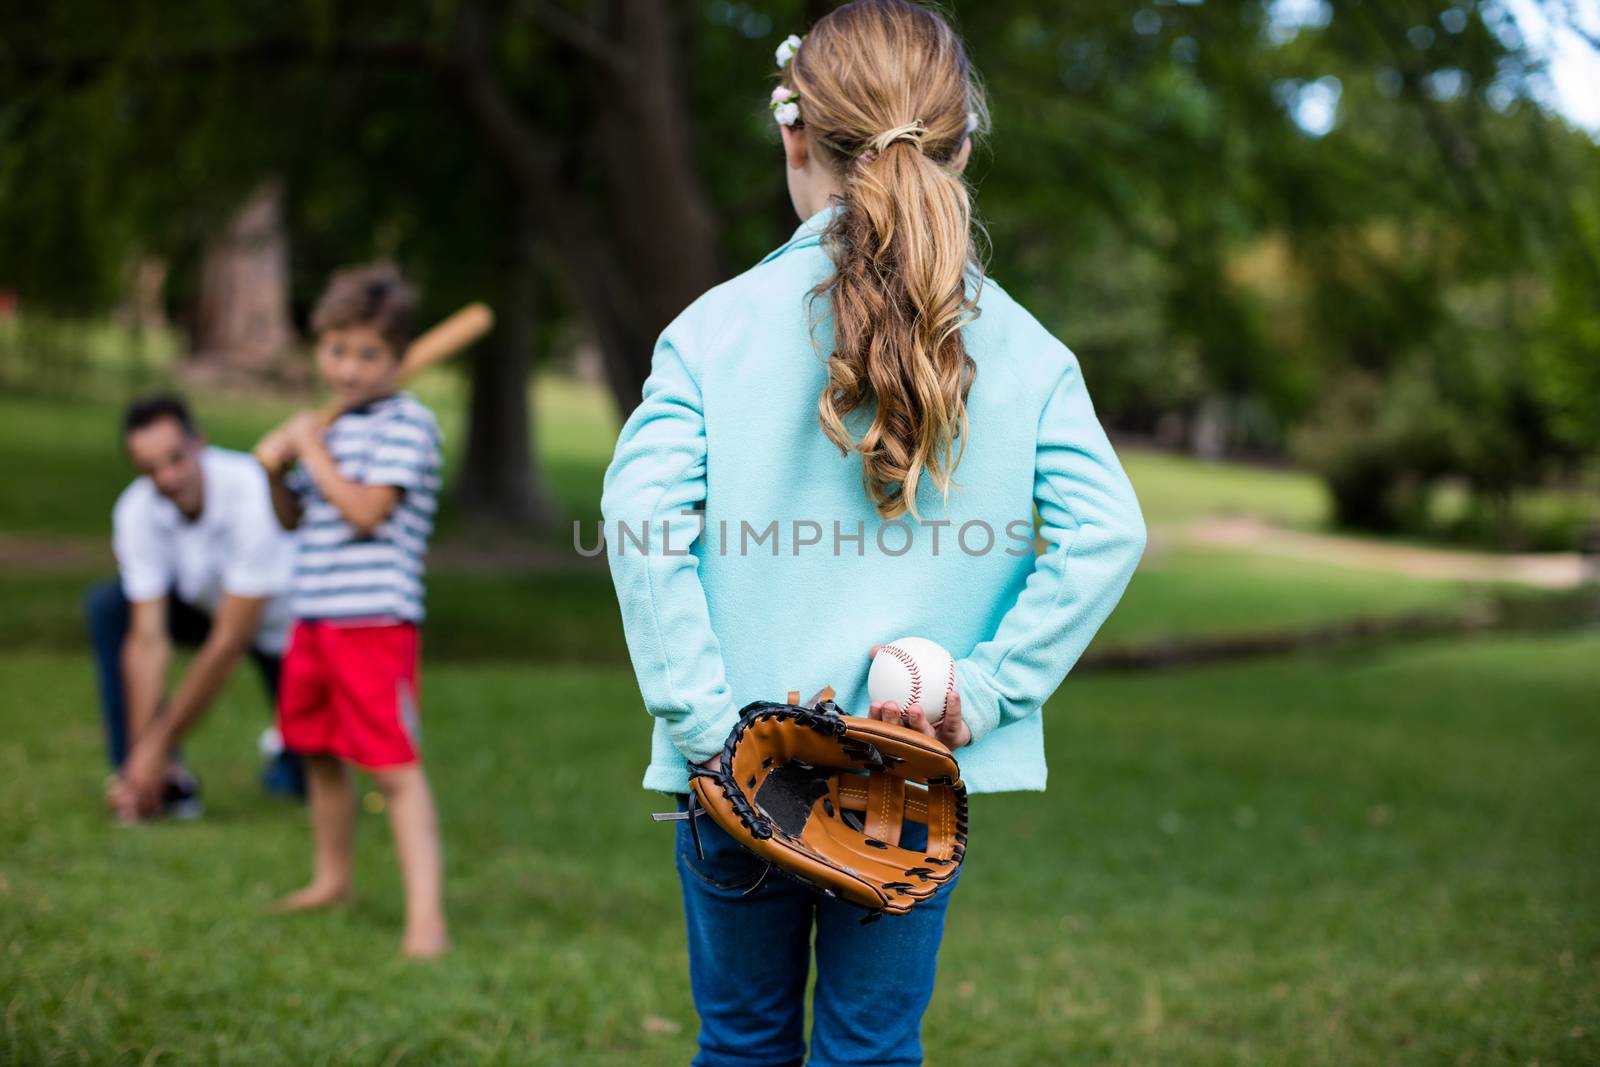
{"x":203,"y":562}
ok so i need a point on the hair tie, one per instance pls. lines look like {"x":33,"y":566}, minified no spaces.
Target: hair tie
{"x":912,"y":131}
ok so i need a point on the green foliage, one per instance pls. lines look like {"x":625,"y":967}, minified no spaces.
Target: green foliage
{"x":1392,"y":264}
{"x":1379,"y":449}
{"x":1566,"y":357}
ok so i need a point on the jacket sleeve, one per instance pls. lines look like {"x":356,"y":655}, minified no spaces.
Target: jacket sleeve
{"x":657,"y":472}
{"x":1096,"y":536}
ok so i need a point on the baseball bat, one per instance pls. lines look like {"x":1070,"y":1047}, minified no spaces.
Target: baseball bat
{"x":429,"y":348}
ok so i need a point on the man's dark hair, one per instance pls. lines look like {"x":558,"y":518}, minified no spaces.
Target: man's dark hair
{"x":152,"y":408}
{"x":374,"y":295}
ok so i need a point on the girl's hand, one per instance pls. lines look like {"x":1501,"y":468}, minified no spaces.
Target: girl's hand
{"x":952,"y":731}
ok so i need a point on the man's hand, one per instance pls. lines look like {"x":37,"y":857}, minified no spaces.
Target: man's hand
{"x":123,"y":802}
{"x":143,"y":775}
{"x":234,"y":623}
{"x":951,"y":730}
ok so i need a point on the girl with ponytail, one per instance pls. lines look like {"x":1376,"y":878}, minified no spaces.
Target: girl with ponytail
{"x":844,"y":444}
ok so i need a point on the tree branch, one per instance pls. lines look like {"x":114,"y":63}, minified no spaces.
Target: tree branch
{"x":581,"y":35}
{"x":529,"y":157}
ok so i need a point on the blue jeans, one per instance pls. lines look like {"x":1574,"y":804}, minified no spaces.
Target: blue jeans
{"x":106,"y":613}
{"x":748,"y":960}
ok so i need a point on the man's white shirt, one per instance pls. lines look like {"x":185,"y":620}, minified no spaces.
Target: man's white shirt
{"x":236,"y":546}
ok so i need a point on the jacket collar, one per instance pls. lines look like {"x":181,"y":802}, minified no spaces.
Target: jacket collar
{"x":808,"y":232}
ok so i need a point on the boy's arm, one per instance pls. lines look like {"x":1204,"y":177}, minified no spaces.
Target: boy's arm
{"x":364,"y":507}
{"x":276,"y":453}
{"x":285,"y":501}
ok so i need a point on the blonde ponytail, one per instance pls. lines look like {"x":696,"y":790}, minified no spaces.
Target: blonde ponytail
{"x":886,"y":91}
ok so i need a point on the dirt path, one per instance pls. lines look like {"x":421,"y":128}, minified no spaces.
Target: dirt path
{"x":1545,"y":570}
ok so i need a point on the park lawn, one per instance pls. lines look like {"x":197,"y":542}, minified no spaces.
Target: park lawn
{"x":1373,"y":859}
{"x":1175,"y":488}
{"x":1194,"y":592}
{"x":65,"y":467}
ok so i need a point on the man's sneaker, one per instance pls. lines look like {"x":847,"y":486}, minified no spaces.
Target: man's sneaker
{"x":283,"y":776}
{"x":180,"y":798}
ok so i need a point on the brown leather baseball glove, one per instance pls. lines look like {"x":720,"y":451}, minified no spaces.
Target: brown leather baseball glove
{"x":821,"y":797}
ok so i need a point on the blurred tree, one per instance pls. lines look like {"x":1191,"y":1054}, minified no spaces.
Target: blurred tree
{"x":1346,"y":215}
{"x":240,"y":325}
{"x":462,"y":138}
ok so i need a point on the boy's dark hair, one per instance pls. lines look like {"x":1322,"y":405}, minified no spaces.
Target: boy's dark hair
{"x":152,"y":408}
{"x":372,"y":295}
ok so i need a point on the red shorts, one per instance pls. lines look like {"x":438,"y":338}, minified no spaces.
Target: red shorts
{"x":351,"y":691}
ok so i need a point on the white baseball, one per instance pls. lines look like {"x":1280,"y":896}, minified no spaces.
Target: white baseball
{"x":913,"y":670}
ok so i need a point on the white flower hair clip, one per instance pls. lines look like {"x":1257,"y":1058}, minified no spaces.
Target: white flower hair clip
{"x":785,"y":101}
{"x":784,"y":106}
{"x":972,"y":121}
{"x":786,"y":50}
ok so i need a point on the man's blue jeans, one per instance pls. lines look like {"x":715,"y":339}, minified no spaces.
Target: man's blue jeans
{"x":749,"y":956}
{"x":106,"y":613}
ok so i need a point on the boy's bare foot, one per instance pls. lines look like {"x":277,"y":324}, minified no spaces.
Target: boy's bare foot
{"x":424,"y":941}
{"x":312,"y":897}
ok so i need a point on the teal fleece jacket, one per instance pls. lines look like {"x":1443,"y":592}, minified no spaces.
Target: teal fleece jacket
{"x":748,"y":560}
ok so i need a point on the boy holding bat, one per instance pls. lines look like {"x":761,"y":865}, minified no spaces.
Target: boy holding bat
{"x":363,"y":495}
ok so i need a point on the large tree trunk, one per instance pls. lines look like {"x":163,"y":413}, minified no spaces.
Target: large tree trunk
{"x":663,"y":230}
{"x":662,"y":226}
{"x":240,"y":330}
{"x":631,"y":280}
{"x":498,"y":480}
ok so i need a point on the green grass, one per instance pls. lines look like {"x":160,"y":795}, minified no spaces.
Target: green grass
{"x":525,"y":616}
{"x":1175,"y":488}
{"x":1379,"y":857}
{"x":1189,"y":592}
{"x":1373,"y":859}
{"x":65,"y":465}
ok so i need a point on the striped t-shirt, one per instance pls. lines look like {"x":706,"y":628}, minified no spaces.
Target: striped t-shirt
{"x":340,"y":574}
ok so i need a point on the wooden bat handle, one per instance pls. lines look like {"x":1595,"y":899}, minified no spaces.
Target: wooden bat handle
{"x":445,"y":340}
{"x":434,"y":346}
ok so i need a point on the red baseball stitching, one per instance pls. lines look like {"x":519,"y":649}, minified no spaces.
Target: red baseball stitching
{"x":910,"y":662}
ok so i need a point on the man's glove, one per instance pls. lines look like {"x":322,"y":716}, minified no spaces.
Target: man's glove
{"x":821,"y":795}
